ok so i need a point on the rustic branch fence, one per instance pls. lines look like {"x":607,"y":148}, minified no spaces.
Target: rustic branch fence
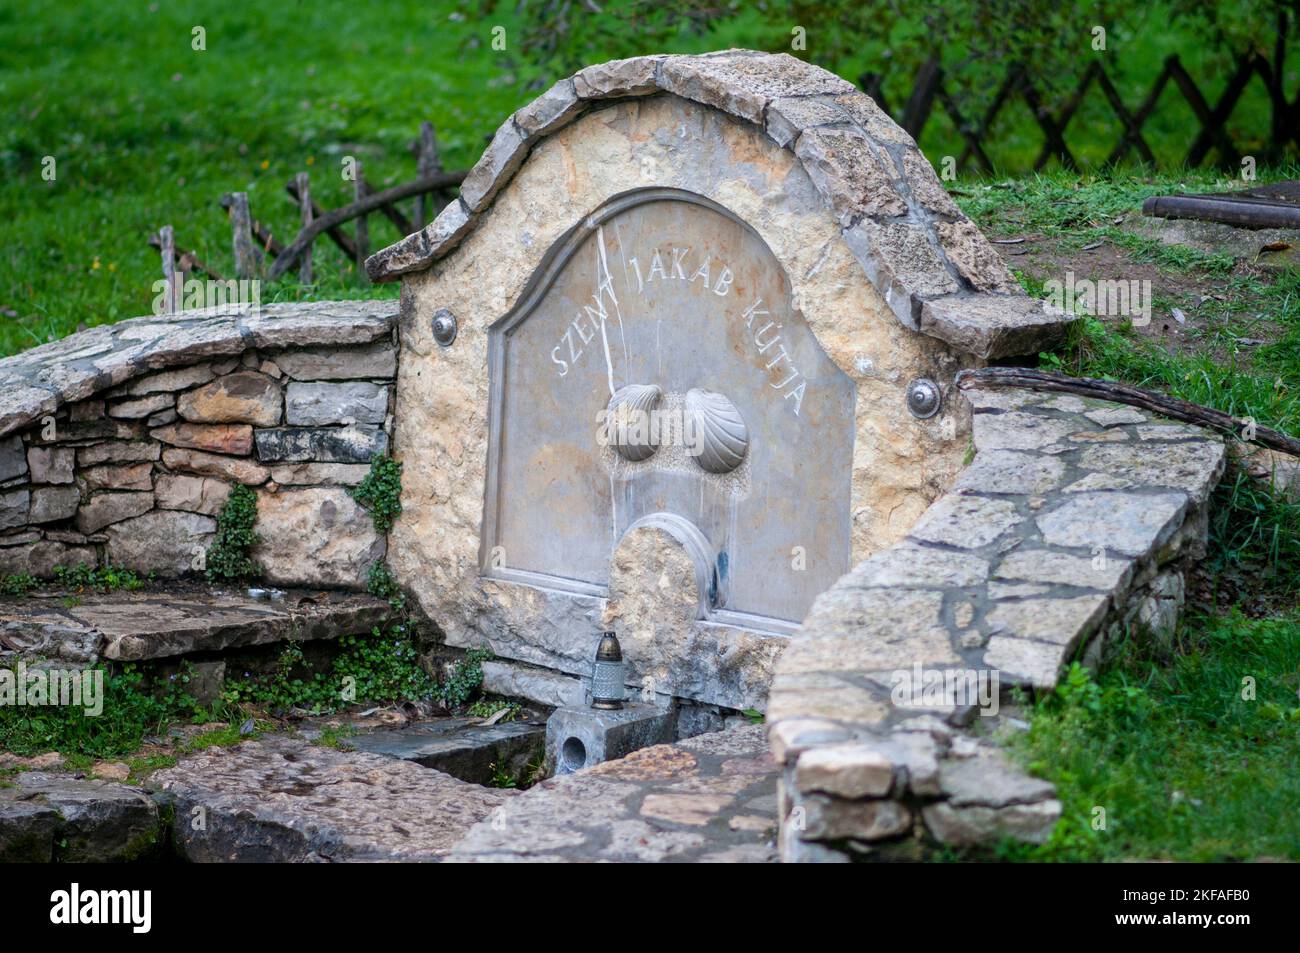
{"x":930,"y":88}
{"x":258,"y":254}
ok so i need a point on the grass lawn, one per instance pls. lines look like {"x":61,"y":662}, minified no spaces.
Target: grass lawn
{"x":1185,"y":763}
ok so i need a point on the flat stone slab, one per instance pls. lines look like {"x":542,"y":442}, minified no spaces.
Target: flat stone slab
{"x":710,"y":799}
{"x":49,"y":816}
{"x":284,"y":800}
{"x":465,"y":748}
{"x":40,"y":380}
{"x":134,"y":626}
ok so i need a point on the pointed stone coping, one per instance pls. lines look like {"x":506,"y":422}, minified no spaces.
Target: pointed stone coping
{"x":283,"y":800}
{"x":135,"y":626}
{"x":935,"y":269}
{"x":710,"y":799}
{"x":41,"y":380}
{"x":1067,"y":512}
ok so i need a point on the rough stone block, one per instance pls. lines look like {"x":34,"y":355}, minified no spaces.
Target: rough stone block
{"x":51,"y":464}
{"x":39,"y":558}
{"x":53,"y":503}
{"x":134,"y":476}
{"x":244,"y":397}
{"x":578,"y":738}
{"x":13,"y":461}
{"x":332,"y":364}
{"x":322,"y":404}
{"x":315,"y":536}
{"x":232,"y":469}
{"x":540,"y":685}
{"x":164,"y":542}
{"x":103,"y":509}
{"x":140,"y":407}
{"x":323,"y":445}
{"x":194,"y":494}
{"x":101,"y":821}
{"x":14,"y":507}
{"x":118,"y":452}
{"x":234,"y":439}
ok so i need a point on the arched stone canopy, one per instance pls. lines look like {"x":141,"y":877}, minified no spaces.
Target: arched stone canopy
{"x":874,"y":463}
{"x":933,"y":267}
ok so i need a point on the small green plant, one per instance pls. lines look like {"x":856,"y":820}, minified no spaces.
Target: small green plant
{"x":379,"y":667}
{"x":380,"y":583}
{"x":753,"y":716}
{"x":464,"y":679}
{"x":227,"y":557}
{"x":501,"y":778}
{"x":486,"y":709}
{"x":106,"y":578}
{"x":17,"y":584}
{"x":134,"y":705}
{"x":381,"y":492}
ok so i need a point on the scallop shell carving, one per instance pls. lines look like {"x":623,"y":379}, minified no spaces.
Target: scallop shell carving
{"x":720,"y":436}
{"x":628,"y":422}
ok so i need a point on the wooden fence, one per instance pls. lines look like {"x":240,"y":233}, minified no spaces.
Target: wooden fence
{"x":257,"y":252}
{"x":930,"y":89}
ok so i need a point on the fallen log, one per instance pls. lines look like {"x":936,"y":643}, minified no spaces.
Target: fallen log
{"x":1242,"y":428}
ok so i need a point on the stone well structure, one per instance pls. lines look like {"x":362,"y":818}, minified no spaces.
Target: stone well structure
{"x":741,"y":239}
{"x":744,"y":247}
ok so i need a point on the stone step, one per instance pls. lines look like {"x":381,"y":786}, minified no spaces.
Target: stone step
{"x":465,"y":748}
{"x":282,"y":799}
{"x":709,"y":799}
{"x":45,"y":816}
{"x":178,"y":620}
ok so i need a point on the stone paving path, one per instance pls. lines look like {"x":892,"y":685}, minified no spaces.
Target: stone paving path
{"x":709,"y":799}
{"x":1075,"y":521}
{"x":282,"y":799}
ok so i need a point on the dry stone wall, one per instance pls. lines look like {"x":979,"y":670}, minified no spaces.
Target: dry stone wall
{"x":1073,"y":524}
{"x":121,"y":444}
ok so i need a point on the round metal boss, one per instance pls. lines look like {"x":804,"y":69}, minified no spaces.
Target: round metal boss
{"x":923,"y":398}
{"x":444,"y":327}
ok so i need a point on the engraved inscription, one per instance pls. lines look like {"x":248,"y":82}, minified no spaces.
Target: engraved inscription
{"x":657,"y":365}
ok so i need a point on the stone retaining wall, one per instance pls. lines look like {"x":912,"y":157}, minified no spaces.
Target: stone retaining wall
{"x":121,"y":443}
{"x":1073,"y":522}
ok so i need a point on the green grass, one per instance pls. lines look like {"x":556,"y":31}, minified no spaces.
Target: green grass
{"x":147,"y":131}
{"x":1183,"y":766}
{"x":134,"y":707}
{"x":1161,"y":739}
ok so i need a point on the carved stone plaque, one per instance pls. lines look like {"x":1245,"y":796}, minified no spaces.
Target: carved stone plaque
{"x":656,"y":373}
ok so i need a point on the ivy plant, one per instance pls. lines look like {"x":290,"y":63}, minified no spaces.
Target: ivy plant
{"x":228,"y":558}
{"x":381,"y":492}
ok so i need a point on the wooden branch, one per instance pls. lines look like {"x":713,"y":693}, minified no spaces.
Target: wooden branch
{"x":269,"y":245}
{"x":1241,"y":428}
{"x":339,"y":236}
{"x":187,"y":261}
{"x":390,"y":212}
{"x":172,"y":294}
{"x":362,"y":248}
{"x":305,"y":207}
{"x":375,"y":200}
{"x":427,"y":163}
{"x":247,"y":260}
